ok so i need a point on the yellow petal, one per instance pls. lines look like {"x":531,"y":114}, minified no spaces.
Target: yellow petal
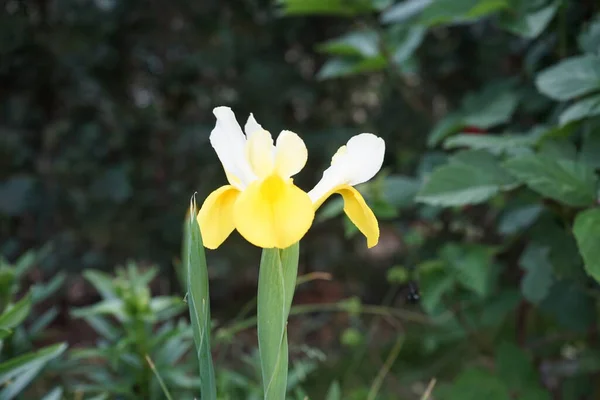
{"x":291,"y":154}
{"x":357,"y":210}
{"x":216,"y":216}
{"x":261,"y":153}
{"x":273,"y":213}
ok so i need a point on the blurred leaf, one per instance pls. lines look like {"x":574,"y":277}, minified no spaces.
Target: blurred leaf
{"x":4,"y":333}
{"x":581,"y":109}
{"x":41,"y":292}
{"x":103,"y":327}
{"x":528,"y":23}
{"x":590,"y":148}
{"x":433,"y":286}
{"x":571,"y":306}
{"x":518,"y":219}
{"x":334,"y":392}
{"x":332,"y":208}
{"x":587,"y":232}
{"x":54,"y":394}
{"x":474,"y":384}
{"x":471,"y":177}
{"x":102,"y":282}
{"x":472,"y":265}
{"x":341,"y":8}
{"x":570,"y":78}
{"x":494,"y":105}
{"x":404,"y":10}
{"x":18,"y":372}
{"x":564,"y":255}
{"x":515,"y":368}
{"x":7,"y":280}
{"x":400,"y":191}
{"x":538,"y":278}
{"x":15,"y":314}
{"x":442,"y":12}
{"x":15,"y":194}
{"x":569,"y":182}
{"x":41,"y":322}
{"x":405,"y":44}
{"x":558,"y":148}
{"x":341,"y":67}
{"x":589,"y":38}
{"x":114,"y":307}
{"x":448,"y":125}
{"x":397,"y":275}
{"x":495,"y":144}
{"x":362,"y":44}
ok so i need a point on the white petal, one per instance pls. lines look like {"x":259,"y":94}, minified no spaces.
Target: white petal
{"x":356,"y":162}
{"x":290,"y":154}
{"x":229,"y":143}
{"x":363,"y":157}
{"x":252,"y":126}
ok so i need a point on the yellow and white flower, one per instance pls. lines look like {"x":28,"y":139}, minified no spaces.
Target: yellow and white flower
{"x":261,"y":200}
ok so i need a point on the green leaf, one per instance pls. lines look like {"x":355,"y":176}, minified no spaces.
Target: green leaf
{"x":198,"y":300}
{"x":334,"y":392}
{"x":590,"y":148}
{"x":434,"y":285}
{"x":515,"y":368}
{"x":442,"y":12}
{"x":471,"y":265}
{"x":18,"y":372}
{"x":474,"y":384}
{"x":495,"y":144}
{"x":102,"y":282}
{"x":114,"y":307}
{"x":404,"y":10}
{"x":408,"y":41}
{"x":471,"y":177}
{"x":276,"y":284}
{"x":54,"y":394}
{"x":448,"y":125}
{"x":518,"y":219}
{"x":570,"y":78}
{"x":572,"y":307}
{"x":343,"y":8}
{"x":529,"y":23}
{"x":7,"y":286}
{"x":589,"y":38}
{"x":342,"y":67}
{"x":362,"y":44}
{"x":400,"y":191}
{"x":15,"y":314}
{"x":41,"y":292}
{"x":558,"y":148}
{"x":4,"y":333}
{"x":566,"y":181}
{"x":492,"y":106}
{"x":41,"y":322}
{"x":581,"y":109}
{"x":587,"y":233}
{"x":538,"y":278}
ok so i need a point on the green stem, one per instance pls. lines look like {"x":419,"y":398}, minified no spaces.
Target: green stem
{"x":276,"y":283}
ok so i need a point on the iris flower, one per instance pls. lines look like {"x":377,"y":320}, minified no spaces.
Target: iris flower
{"x":261,"y":200}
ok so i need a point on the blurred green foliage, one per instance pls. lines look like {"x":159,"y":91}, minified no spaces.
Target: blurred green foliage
{"x":488,"y":199}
